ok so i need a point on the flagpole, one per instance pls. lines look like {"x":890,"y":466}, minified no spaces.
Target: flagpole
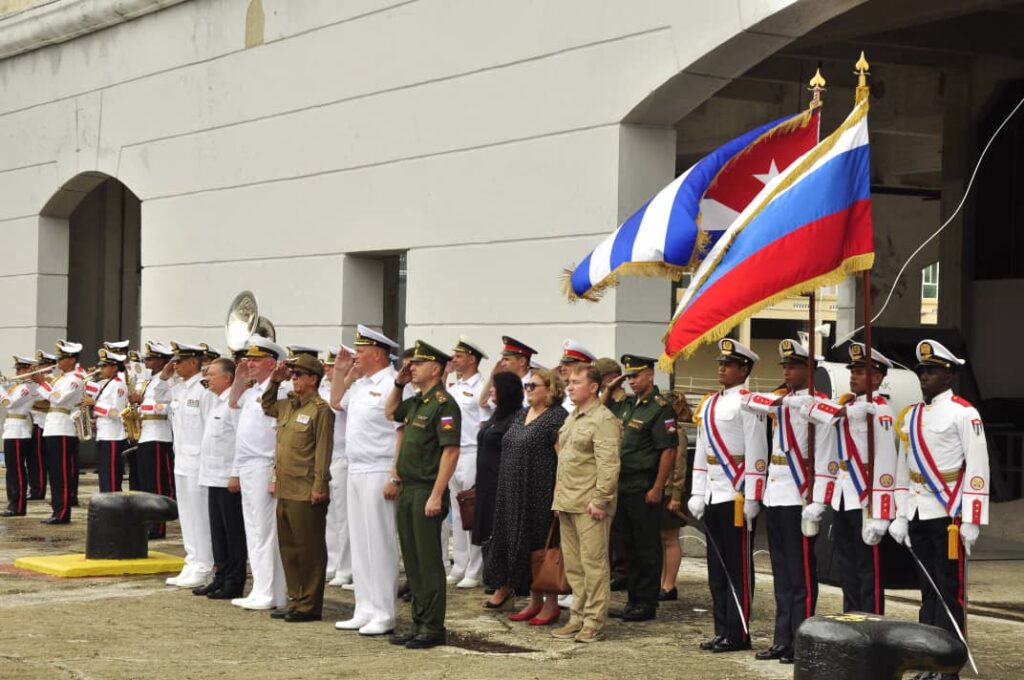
{"x":817,"y":86}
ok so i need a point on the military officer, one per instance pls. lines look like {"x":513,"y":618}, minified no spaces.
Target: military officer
{"x":301,"y":483}
{"x":516,"y":357}
{"x":154,"y":455}
{"x":59,"y":436}
{"x":573,"y":353}
{"x":942,"y":487}
{"x":37,"y":458}
{"x":648,"y":451}
{"x":787,"y":488}
{"x":17,"y":399}
{"x":339,"y":548}
{"x":108,"y":397}
{"x":731,"y":441}
{"x":863,"y":502}
{"x":427,"y":458}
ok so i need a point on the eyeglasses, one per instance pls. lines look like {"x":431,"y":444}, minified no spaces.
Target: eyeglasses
{"x":531,"y":386}
{"x":299,"y":374}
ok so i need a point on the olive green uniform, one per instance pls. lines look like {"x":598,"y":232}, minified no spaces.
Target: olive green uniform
{"x":432,"y":422}
{"x":302,"y":460}
{"x":648,"y":428}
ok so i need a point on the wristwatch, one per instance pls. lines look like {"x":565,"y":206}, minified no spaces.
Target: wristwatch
{"x":399,"y":385}
{"x":395,"y":482}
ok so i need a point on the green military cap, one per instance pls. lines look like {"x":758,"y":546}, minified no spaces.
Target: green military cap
{"x":306,"y":362}
{"x":606,"y":365}
{"x":427,"y":352}
{"x":634,"y":363}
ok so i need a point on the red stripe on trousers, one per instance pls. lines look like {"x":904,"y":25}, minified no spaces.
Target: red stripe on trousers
{"x":807,"y":580}
{"x":878,"y":590}
{"x":113,"y":454}
{"x":22,"y":488}
{"x":39,"y":457}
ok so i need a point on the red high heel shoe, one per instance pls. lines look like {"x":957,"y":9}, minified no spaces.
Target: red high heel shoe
{"x":538,"y":621}
{"x":524,"y":615}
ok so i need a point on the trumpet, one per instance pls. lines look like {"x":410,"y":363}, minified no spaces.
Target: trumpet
{"x":25,"y":377}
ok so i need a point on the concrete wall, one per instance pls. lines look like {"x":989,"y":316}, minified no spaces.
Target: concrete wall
{"x":484,"y":136}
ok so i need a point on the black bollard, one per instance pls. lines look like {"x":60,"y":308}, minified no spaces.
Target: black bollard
{"x":854,"y":646}
{"x":118,"y":525}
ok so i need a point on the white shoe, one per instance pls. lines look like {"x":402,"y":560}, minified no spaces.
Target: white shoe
{"x":348,"y":586}
{"x":172,"y":580}
{"x":351,"y":624}
{"x":454,"y":578}
{"x":468,"y":583}
{"x":185,"y":573}
{"x":340,"y":580}
{"x":565,"y":601}
{"x":198,"y":578}
{"x":240,"y":601}
{"x":256,"y":604}
{"x":377,"y":628}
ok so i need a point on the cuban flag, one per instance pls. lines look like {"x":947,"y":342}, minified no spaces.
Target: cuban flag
{"x":809,"y":227}
{"x":669,"y":234}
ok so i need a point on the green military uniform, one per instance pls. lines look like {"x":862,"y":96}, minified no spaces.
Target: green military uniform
{"x":432,"y":421}
{"x":648,"y":429}
{"x":302,"y":460}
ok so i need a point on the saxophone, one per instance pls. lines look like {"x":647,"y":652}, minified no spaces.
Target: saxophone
{"x":82,"y":420}
{"x":131,"y":418}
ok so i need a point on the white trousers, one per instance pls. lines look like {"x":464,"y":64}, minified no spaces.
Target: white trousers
{"x":339,"y":553}
{"x":194,"y":519}
{"x":373,"y":533}
{"x":259,"y":512}
{"x":468,"y":559}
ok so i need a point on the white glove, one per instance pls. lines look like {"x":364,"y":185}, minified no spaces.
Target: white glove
{"x":859,"y":410}
{"x":696,"y":506}
{"x":969,"y":535}
{"x":872,"y":532}
{"x":751,"y":509}
{"x":797,"y":401}
{"x":813,"y":512}
{"x":899,"y":529}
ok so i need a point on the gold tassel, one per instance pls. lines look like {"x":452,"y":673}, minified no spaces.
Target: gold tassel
{"x":954,"y":541}
{"x":737,"y":511}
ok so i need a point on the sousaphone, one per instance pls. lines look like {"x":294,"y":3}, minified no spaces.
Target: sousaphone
{"x":244,"y":321}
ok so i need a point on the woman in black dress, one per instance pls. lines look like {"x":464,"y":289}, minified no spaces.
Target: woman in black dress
{"x":522,"y":513}
{"x":507,"y":395}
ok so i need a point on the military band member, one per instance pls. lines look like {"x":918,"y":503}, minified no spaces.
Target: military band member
{"x":37,"y":469}
{"x":573,"y":353}
{"x":339,"y":547}
{"x":59,"y":435}
{"x":427,"y":458}
{"x":17,"y":399}
{"x":860,"y":522}
{"x":785,"y":490}
{"x":730,"y":442}
{"x":301,"y":483}
{"x":108,"y":397}
{"x":942,"y":487}
{"x":516,"y":357}
{"x":154,"y":455}
{"x":187,"y":416}
{"x":647,"y":451}
{"x":467,"y":570}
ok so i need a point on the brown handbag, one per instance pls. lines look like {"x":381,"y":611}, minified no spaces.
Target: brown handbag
{"x":467,"y":507}
{"x":548,"y":569}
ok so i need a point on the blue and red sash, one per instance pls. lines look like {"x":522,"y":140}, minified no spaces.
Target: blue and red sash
{"x":950,"y":498}
{"x":732,"y":471}
{"x":789,"y":446}
{"x":849,"y":453}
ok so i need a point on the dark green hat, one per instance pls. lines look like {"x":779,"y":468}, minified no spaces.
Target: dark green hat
{"x":306,"y":362}
{"x":634,"y":363}
{"x":427,"y":352}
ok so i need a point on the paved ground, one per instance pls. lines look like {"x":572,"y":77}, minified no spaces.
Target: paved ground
{"x":139,"y":628}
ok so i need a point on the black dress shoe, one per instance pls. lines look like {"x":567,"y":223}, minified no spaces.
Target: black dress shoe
{"x":787,"y":657}
{"x":639,"y":613}
{"x":280,"y":613}
{"x":300,"y":617}
{"x":401,"y":639}
{"x":11,"y":513}
{"x":619,"y":584}
{"x":667,"y":595}
{"x":206,"y":589}
{"x":772,"y":653}
{"x":56,"y":520}
{"x":224,"y":594}
{"x":425,"y":641}
{"x":724,"y":645}
{"x":708,"y":645}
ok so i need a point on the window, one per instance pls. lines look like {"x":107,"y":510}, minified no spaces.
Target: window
{"x":930,"y":294}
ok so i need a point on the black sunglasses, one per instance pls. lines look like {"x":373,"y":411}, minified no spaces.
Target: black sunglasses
{"x":531,"y":386}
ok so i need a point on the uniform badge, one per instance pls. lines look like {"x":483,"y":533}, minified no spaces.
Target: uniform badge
{"x":447,"y":423}
{"x":376,"y":394}
{"x":977,"y":483}
{"x":885,"y":422}
{"x":761,"y":465}
{"x":670,"y":425}
{"x":833,"y":467}
{"x":976,"y":425}
{"x":302,"y":419}
{"x":635,"y":424}
{"x":56,"y":395}
{"x":466,"y":394}
{"x":5,"y":403}
{"x":886,"y":481}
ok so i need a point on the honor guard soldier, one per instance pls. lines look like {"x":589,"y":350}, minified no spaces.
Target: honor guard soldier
{"x":516,"y":358}
{"x":791,"y":527}
{"x":573,"y":353}
{"x":108,"y":397}
{"x":301,"y":482}
{"x":154,"y":455}
{"x":647,"y":452}
{"x":862,"y":505}
{"x":37,"y":469}
{"x":17,"y":399}
{"x":186,"y":411}
{"x":942,"y":486}
{"x":339,"y":548}
{"x":731,"y":442}
{"x":428,"y":455}
{"x":59,"y":435}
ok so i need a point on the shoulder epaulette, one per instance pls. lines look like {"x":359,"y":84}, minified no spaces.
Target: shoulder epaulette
{"x":880,"y":400}
{"x":957,"y":399}
{"x":900,"y":420}
{"x":700,"y":408}
{"x":660,"y":400}
{"x":780,"y":392}
{"x":442,"y":397}
{"x":845,"y":399}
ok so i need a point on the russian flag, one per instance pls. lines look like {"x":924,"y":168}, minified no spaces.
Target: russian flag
{"x":670,"y":233}
{"x":809,"y":227}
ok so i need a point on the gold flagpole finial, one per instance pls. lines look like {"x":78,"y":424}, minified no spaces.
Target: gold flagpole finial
{"x":817,"y":86}
{"x":862,"y":72}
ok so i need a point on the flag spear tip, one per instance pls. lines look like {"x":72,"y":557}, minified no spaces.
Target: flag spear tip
{"x":817,"y":86}
{"x":817,"y":80}
{"x":862,"y":66}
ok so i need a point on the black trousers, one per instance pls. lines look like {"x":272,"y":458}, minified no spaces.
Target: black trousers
{"x":794,"y":571}
{"x":36,"y":465}
{"x":638,"y":524}
{"x":110,"y":465}
{"x":859,"y":565}
{"x":227,"y":534}
{"x":131,"y":462}
{"x":16,"y":461}
{"x":155,"y":461}
{"x":61,"y":454}
{"x":930,"y":540}
{"x":734,"y":544}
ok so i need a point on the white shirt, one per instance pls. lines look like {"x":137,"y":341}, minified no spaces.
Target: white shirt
{"x":156,"y":397}
{"x":340,"y":420}
{"x":370,"y":437}
{"x":186,"y":409}
{"x":256,"y":432}
{"x":111,"y":398}
{"x":950,"y":433}
{"x":64,"y":396}
{"x":467,"y":394}
{"x":737,"y":431}
{"x":217,"y":450}
{"x":18,"y":402}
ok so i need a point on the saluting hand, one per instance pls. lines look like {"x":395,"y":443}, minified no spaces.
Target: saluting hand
{"x":280,"y":373}
{"x":405,"y":375}
{"x":242,"y":371}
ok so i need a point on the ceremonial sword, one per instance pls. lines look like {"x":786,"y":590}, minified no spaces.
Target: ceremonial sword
{"x":728,"y":578}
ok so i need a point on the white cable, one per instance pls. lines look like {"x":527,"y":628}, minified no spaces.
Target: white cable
{"x":938,"y":231}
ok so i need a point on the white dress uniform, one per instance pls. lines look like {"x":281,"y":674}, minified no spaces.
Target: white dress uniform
{"x":467,"y":570}
{"x":339,"y":552}
{"x":187,"y":416}
{"x":111,"y":398}
{"x":154,"y":456}
{"x":370,"y":445}
{"x":17,"y":434}
{"x":59,"y":437}
{"x":255,"y":443}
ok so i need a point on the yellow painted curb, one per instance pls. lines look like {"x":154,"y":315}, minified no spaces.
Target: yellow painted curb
{"x":74,"y":566}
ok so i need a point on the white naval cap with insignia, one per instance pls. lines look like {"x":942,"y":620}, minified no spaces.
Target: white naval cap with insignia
{"x":575,"y":353}
{"x":366,"y":337}
{"x":118,"y":346}
{"x":880,"y":361}
{"x":67,"y":350}
{"x":157,"y":350}
{"x":536,"y":364}
{"x":24,"y":362}
{"x":932,"y":353}
{"x":332,"y":353}
{"x":211,"y":353}
{"x":184,"y":350}
{"x":259,"y":347}
{"x":45,"y":357}
{"x":733,"y":350}
{"x":467,"y":345}
{"x":792,"y":352}
{"x":296,"y":350}
{"x":107,"y":356}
